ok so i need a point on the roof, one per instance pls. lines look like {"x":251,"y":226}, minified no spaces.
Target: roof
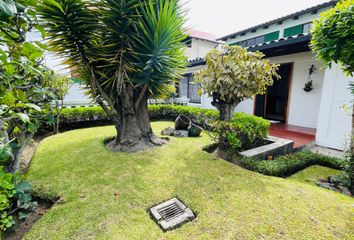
{"x":202,"y":35}
{"x":307,"y":10}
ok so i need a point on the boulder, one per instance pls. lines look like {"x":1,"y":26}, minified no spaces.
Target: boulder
{"x":168,"y":131}
{"x":180,"y":133}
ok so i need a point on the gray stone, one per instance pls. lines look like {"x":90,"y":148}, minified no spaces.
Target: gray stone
{"x":278,"y":146}
{"x":168,"y":131}
{"x":180,"y":133}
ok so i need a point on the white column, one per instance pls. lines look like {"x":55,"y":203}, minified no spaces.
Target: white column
{"x":334,"y":123}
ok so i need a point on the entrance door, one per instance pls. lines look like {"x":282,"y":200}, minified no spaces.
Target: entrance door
{"x":273,"y":105}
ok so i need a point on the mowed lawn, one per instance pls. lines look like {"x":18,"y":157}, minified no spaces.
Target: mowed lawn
{"x":105,"y":195}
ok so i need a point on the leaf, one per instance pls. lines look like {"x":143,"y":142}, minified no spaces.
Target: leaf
{"x":41,"y":30}
{"x":34,"y":106}
{"x":24,"y":117}
{"x":7,"y":9}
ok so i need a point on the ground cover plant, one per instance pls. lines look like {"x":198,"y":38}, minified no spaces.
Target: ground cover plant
{"x":105,"y":195}
{"x":284,"y":166}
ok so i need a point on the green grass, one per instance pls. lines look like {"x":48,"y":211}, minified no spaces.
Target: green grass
{"x":313,"y":174}
{"x":230,"y":202}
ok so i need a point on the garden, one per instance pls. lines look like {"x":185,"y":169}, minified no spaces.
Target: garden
{"x":111,"y":171}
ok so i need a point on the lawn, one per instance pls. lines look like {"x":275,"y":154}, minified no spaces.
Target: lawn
{"x":313,"y":174}
{"x":105,"y":195}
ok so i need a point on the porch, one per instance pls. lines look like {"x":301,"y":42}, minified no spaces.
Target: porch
{"x":300,"y":135}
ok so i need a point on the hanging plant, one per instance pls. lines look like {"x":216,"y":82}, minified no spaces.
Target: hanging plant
{"x":309,"y":83}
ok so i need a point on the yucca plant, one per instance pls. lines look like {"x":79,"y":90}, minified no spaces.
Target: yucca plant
{"x":125,"y":50}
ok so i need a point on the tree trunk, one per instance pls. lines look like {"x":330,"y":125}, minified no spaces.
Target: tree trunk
{"x":135,"y":132}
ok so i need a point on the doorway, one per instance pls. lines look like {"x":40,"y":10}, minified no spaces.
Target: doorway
{"x":273,"y":105}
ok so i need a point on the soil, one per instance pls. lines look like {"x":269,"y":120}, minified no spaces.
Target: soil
{"x":24,"y":226}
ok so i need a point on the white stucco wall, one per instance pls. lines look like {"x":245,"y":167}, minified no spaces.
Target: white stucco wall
{"x":334,"y":123}
{"x":199,"y":48}
{"x":303,"y":106}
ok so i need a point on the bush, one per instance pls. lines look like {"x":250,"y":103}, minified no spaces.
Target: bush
{"x":284,"y":166}
{"x":15,"y":199}
{"x":242,"y":132}
{"x":83,"y":116}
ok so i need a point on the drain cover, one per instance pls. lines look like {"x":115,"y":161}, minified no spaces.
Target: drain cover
{"x":171,"y":214}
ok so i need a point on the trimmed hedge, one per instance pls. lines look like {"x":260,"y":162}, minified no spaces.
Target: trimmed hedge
{"x":96,"y":115}
{"x":284,"y":166}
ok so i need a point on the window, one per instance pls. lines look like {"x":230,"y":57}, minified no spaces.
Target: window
{"x":187,"y":88}
{"x":251,"y":42}
{"x":306,"y":27}
{"x":260,"y":40}
{"x":292,"y":31}
{"x":188,"y":42}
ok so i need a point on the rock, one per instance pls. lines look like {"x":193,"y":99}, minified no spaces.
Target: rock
{"x":194,"y":130}
{"x":168,"y":131}
{"x":180,"y":133}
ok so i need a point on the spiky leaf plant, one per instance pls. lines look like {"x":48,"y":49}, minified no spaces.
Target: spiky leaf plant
{"x":125,"y":50}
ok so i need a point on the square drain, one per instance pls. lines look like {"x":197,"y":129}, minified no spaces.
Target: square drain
{"x":171,"y":214}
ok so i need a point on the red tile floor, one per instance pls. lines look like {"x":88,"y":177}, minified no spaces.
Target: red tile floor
{"x":300,"y":135}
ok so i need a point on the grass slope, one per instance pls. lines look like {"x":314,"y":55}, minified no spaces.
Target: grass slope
{"x":313,"y":174}
{"x":230,"y":202}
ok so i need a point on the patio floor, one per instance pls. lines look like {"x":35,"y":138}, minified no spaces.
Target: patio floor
{"x":300,"y":135}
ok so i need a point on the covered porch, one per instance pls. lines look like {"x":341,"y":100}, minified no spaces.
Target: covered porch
{"x":301,"y":136}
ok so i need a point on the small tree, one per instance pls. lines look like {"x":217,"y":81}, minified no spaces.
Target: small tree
{"x":232,"y":75}
{"x":60,"y":86}
{"x":333,"y":41}
{"x":25,"y":90}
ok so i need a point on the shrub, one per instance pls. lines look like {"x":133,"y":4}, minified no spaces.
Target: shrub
{"x":81,"y":116}
{"x":287,"y":165}
{"x":15,"y":199}
{"x":242,"y":132}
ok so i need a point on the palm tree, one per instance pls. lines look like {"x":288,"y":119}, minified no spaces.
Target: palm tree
{"x":125,"y":50}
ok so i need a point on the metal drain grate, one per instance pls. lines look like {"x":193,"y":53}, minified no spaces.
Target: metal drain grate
{"x":171,"y":214}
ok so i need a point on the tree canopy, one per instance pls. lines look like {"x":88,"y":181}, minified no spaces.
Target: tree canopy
{"x":333,"y":36}
{"x":233,"y":74}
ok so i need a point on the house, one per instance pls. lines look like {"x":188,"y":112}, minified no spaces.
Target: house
{"x":316,"y":109}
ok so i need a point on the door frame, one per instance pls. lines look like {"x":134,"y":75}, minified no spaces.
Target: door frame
{"x":290,"y":80}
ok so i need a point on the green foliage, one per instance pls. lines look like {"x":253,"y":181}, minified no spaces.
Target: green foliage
{"x":333,"y":36}
{"x":287,"y":165}
{"x":113,"y":44}
{"x":25,"y":89}
{"x":233,"y":74}
{"x":241,"y":132}
{"x":200,"y":116}
{"x":15,"y":199}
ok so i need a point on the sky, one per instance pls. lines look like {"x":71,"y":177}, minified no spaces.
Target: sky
{"x":223,"y":17}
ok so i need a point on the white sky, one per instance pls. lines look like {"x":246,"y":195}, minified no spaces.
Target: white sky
{"x":223,"y":17}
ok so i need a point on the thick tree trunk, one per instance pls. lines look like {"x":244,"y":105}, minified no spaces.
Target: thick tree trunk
{"x":226,"y":111}
{"x":135,"y":133}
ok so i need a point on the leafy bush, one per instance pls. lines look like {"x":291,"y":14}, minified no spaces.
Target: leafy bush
{"x":15,"y":199}
{"x":287,"y":165}
{"x":201,"y":116}
{"x":242,"y":132}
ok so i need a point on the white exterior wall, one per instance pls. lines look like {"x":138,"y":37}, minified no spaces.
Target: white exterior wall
{"x":303,"y":106}
{"x":334,"y":123}
{"x":199,"y":48}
